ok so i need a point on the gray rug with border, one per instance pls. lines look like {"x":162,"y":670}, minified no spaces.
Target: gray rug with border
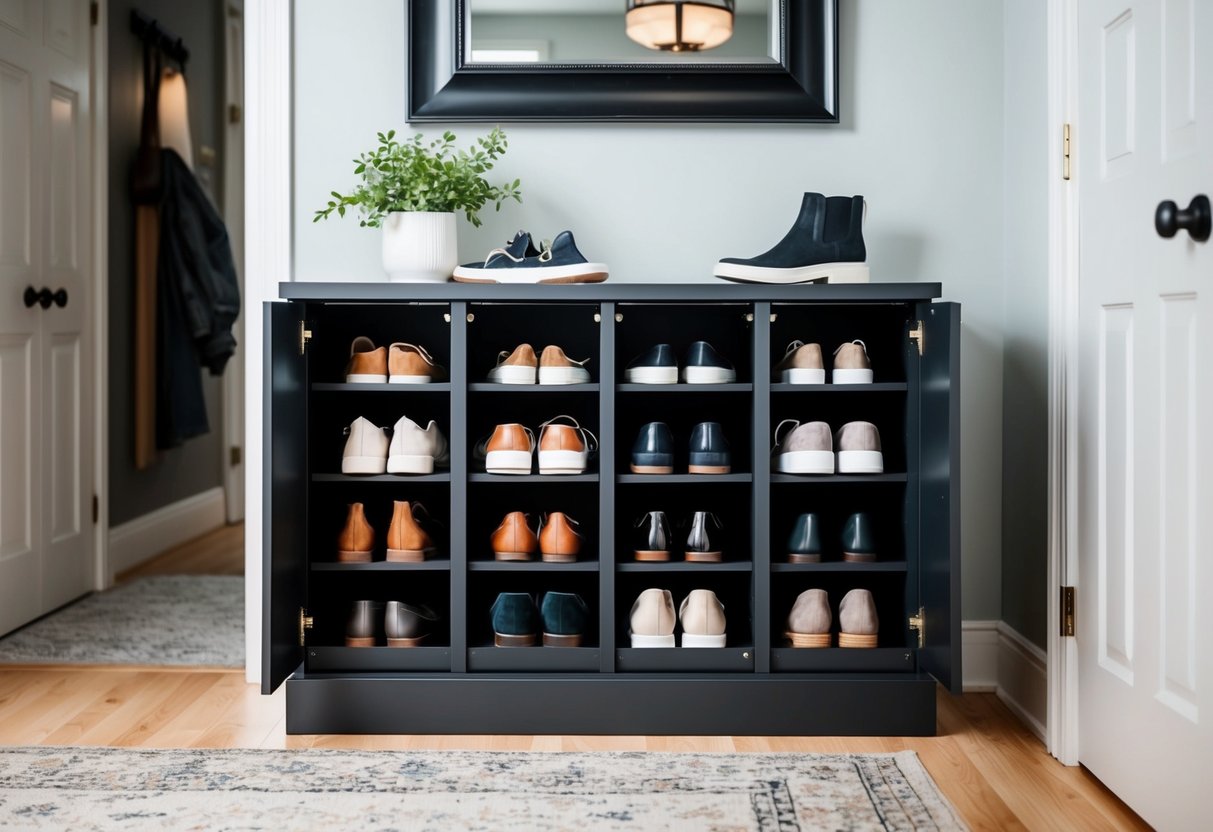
{"x":166,"y":620}
{"x":102,"y":788}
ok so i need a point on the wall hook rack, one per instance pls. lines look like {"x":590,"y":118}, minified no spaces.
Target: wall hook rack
{"x":153,"y":34}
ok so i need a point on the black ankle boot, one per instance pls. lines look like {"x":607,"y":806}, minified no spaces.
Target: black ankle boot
{"x":825,"y":244}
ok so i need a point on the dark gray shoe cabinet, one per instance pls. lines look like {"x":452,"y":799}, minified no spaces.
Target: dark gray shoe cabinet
{"x":458,"y":682}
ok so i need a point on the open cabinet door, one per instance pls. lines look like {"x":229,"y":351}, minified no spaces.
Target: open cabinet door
{"x":285,"y":483}
{"x":939,"y":507}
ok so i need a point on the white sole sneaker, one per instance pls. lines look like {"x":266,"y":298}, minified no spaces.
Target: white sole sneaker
{"x":563,"y":462}
{"x":651,"y":375}
{"x":709,"y":375}
{"x":365,"y":378}
{"x":364,"y":465}
{"x":805,"y":462}
{"x":803,"y":375}
{"x":852,"y":377}
{"x":508,"y":462}
{"x":694,"y":640}
{"x":575,"y":273}
{"x":409,"y":380}
{"x":860,"y":462}
{"x":564,"y":375}
{"x":410,"y":464}
{"x":652,"y":641}
{"x":824,"y":273}
{"x":512,"y":375}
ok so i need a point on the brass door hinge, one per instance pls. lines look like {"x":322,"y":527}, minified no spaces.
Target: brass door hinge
{"x":234,"y":113}
{"x":96,"y":509}
{"x":918,"y":624}
{"x":305,"y":335}
{"x":94,"y":13}
{"x":1068,"y":618}
{"x":305,"y":624}
{"x":918,"y":337}
{"x":1065,"y":151}
{"x":235,"y":455}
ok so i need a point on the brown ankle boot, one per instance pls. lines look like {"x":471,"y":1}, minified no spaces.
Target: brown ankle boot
{"x":407,"y":542}
{"x":558,"y":539}
{"x":357,"y":539}
{"x":513,"y":539}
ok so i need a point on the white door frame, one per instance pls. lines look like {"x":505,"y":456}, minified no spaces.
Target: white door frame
{"x":1062,"y":668}
{"x":233,"y":215}
{"x":99,"y":79}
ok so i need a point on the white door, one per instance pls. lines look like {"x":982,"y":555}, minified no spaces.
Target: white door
{"x":46,"y":406}
{"x":1144,"y":134}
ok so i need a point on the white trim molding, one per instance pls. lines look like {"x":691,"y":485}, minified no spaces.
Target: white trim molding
{"x":137,"y":540}
{"x":99,"y":78}
{"x":999,"y":660}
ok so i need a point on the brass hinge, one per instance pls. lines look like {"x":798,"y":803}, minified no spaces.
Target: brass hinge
{"x":918,"y":337}
{"x":234,"y":113}
{"x":918,"y":624}
{"x":305,"y":335}
{"x":305,"y":624}
{"x":1068,"y":621}
{"x":235,"y":455}
{"x":96,"y":509}
{"x":1065,"y":151}
{"x":94,"y":13}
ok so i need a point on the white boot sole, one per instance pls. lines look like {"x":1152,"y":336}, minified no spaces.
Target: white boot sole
{"x":823,"y":273}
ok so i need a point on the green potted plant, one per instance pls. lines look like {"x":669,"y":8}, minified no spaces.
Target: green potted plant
{"x":412,"y":190}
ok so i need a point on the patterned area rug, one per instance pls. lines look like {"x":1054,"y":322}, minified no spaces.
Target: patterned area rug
{"x":100,"y":788}
{"x":191,"y":620}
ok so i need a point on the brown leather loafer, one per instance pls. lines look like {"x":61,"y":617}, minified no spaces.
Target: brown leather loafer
{"x":407,"y":542}
{"x":559,"y":541}
{"x":513,"y":539}
{"x":357,"y":539}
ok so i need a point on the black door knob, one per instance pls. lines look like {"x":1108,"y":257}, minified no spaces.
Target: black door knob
{"x":43,"y":297}
{"x":60,"y":298}
{"x":1196,"y":218}
{"x":30,"y":297}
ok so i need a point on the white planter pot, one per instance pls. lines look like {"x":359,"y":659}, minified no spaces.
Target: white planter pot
{"x":419,"y":247}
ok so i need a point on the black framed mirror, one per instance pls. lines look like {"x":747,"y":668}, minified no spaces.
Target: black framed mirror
{"x":522,"y":61}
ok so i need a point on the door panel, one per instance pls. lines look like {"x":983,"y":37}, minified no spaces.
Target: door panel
{"x":285,"y":523}
{"x":16,"y":170}
{"x":939,"y":482}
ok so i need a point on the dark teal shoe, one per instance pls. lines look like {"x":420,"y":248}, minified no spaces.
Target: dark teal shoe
{"x":515,"y":621}
{"x":804,"y":543}
{"x":859,"y":539}
{"x":564,"y":619}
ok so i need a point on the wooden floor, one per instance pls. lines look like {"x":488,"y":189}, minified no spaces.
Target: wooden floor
{"x":997,"y":774}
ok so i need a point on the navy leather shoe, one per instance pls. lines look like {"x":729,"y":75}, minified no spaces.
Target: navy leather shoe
{"x":653,"y":451}
{"x":652,"y":539}
{"x":824,"y":244}
{"x":709,"y":450}
{"x":859,"y":539}
{"x":515,"y":620}
{"x":706,"y":366}
{"x":561,"y":262}
{"x":700,"y":546}
{"x":804,"y":543}
{"x":655,"y":366}
{"x":564,"y":619}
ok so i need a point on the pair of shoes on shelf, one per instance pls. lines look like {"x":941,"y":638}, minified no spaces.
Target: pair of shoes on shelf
{"x":553,"y":367}
{"x":516,"y":619}
{"x":520,"y":261}
{"x":701,"y":614}
{"x":808,"y":448}
{"x":404,"y":625}
{"x":810,"y":622}
{"x":858,"y":539}
{"x":557,"y":539}
{"x":412,"y":449}
{"x":400,"y":363}
{"x":802,"y":364}
{"x":658,"y":365}
{"x":653,"y":450}
{"x":564,"y":447}
{"x":653,"y":541}
{"x":407,"y":540}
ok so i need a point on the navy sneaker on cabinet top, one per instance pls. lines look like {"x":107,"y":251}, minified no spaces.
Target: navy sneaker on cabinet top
{"x":652,"y":539}
{"x":515,"y":620}
{"x":700,"y":546}
{"x":709,"y":451}
{"x":656,"y":366}
{"x":804,"y":543}
{"x":706,"y":366}
{"x":859,"y":539}
{"x":824,"y":244}
{"x":560,"y":262}
{"x":653,"y":451}
{"x":564,"y":619}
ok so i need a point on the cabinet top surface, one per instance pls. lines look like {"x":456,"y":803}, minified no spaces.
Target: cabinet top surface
{"x":596,"y":292}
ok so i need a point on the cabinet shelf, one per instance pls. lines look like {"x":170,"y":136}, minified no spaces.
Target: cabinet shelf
{"x":516,"y":478}
{"x":683,"y":479}
{"x":877,"y":387}
{"x":731,"y":659}
{"x":736,"y":387}
{"x":531,"y":566}
{"x":837,"y":479}
{"x":342,"y":387}
{"x":324,"y":659}
{"x":684,"y":566}
{"x":490,"y":387}
{"x":399,"y":479}
{"x":383,"y":566}
{"x":533,"y":659}
{"x":841,"y":566}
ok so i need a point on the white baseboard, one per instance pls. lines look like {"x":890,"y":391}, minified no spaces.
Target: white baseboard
{"x":999,"y":660}
{"x":145,"y":537}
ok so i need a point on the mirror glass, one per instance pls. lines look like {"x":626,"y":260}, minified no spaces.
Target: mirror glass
{"x":623,"y":31}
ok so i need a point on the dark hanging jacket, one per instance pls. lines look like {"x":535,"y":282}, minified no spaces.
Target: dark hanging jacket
{"x":198,"y":299}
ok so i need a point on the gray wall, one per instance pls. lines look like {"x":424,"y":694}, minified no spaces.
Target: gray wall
{"x":922,"y":137}
{"x":196,"y":466}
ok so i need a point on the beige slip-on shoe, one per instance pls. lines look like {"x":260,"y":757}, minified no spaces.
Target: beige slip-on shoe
{"x":417,"y":450}
{"x":851,"y":364}
{"x":652,"y":619}
{"x":365,"y":449}
{"x":859,"y":449}
{"x":857,"y":621}
{"x":702,"y":617}
{"x":809,"y":621}
{"x":805,"y":449}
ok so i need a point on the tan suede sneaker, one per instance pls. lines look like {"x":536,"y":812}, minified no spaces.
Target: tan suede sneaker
{"x":410,"y":364}
{"x":702,"y":617}
{"x":859,"y":449}
{"x":407,"y":542}
{"x":851,"y":364}
{"x":367,"y":364}
{"x":357,"y":539}
{"x":557,"y":368}
{"x":801,"y":364}
{"x":809,"y":621}
{"x":509,"y":450}
{"x":857,"y":620}
{"x":517,"y":367}
{"x":513,"y":539}
{"x":559,"y":540}
{"x":805,"y":449}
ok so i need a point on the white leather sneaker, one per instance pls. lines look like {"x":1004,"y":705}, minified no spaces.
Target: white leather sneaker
{"x":365,"y":449}
{"x":653,"y":619}
{"x":702,"y":617}
{"x":415,"y":450}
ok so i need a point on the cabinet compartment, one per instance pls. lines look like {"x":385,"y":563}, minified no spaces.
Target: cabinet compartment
{"x":728,"y":327}
{"x":883,"y":501}
{"x":734,"y":589}
{"x":497,"y":327}
{"x":330,"y":507}
{"x":888,"y":591}
{"x":729,"y":502}
{"x":882,"y":328}
{"x":490,"y":502}
{"x":335,"y":326}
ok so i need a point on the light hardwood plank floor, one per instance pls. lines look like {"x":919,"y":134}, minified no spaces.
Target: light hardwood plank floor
{"x":988,"y":764}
